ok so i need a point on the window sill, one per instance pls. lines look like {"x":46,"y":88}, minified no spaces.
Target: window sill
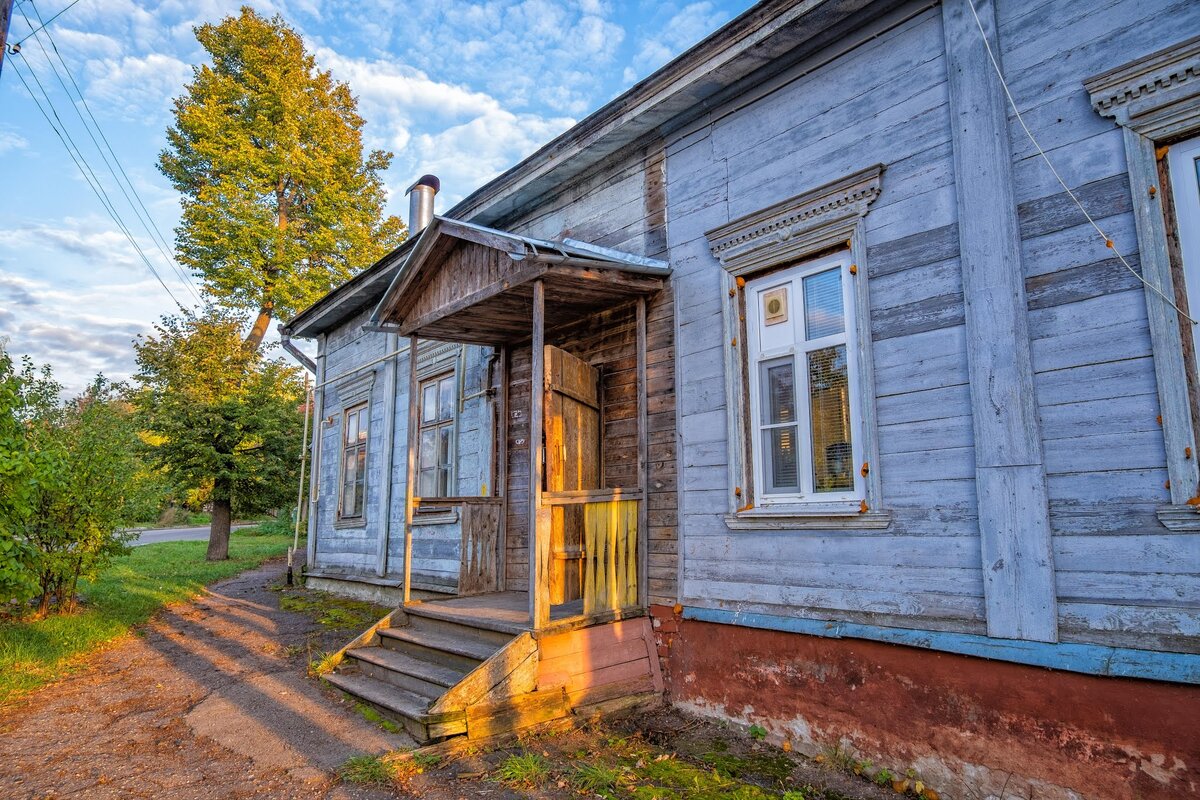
{"x":1180,"y":518}
{"x":436,"y":516}
{"x":353,"y":522}
{"x":828,"y":517}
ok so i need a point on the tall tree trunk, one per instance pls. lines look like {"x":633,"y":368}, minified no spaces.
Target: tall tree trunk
{"x":261,"y":323}
{"x":218,"y":532}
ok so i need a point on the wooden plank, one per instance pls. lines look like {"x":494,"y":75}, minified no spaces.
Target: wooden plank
{"x":491,"y":673}
{"x":640,"y":586}
{"x":414,"y":409}
{"x":1013,"y":512}
{"x":500,"y":481}
{"x":539,"y":518}
{"x":580,"y":496}
{"x":535,"y":708}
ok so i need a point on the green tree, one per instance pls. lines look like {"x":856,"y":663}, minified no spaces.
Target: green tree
{"x":279,"y":203}
{"x":66,"y":472}
{"x":219,"y":416}
{"x":89,"y":468}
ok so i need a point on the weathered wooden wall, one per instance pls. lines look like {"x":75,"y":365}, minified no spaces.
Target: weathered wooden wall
{"x":353,"y":548}
{"x":621,"y":204}
{"x":1121,"y":577}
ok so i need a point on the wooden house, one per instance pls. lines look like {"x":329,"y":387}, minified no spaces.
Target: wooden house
{"x":853,"y":418}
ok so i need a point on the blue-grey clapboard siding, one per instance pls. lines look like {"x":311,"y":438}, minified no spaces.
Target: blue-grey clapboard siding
{"x":353,"y":548}
{"x":1120,"y":577}
{"x":1094,"y":368}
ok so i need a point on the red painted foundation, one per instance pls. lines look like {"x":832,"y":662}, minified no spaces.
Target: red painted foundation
{"x":969,"y":727}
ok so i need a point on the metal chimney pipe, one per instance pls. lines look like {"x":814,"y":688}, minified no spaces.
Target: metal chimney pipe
{"x":420,"y":203}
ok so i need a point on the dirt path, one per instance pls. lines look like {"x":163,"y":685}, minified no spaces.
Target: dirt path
{"x":210,"y":702}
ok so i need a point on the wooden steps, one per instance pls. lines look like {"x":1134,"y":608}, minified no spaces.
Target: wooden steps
{"x":402,"y":671}
{"x":440,"y":673}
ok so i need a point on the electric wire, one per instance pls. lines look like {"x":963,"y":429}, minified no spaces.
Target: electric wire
{"x":85,"y":169}
{"x":146,"y":220}
{"x":17,"y":45}
{"x":1016,"y":111}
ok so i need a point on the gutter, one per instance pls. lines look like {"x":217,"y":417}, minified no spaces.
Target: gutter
{"x":314,"y":474}
{"x":285,"y":339}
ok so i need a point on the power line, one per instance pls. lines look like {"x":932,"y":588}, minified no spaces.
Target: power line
{"x":44,"y":24}
{"x":143,"y":216}
{"x":65,"y":137}
{"x":1037,"y":146}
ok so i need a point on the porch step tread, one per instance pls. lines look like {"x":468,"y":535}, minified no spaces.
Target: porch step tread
{"x":478,"y":650}
{"x":381,"y":693}
{"x":433,"y":610}
{"x":408,"y":665}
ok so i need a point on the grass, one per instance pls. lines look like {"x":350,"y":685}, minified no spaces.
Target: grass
{"x":526,"y":769}
{"x":331,"y":611}
{"x":367,"y":769}
{"x":128,"y":593}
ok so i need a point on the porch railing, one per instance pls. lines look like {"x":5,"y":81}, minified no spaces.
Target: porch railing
{"x":610,"y":555}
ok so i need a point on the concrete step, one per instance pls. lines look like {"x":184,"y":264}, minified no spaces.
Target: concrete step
{"x":428,"y":679}
{"x":437,"y":647}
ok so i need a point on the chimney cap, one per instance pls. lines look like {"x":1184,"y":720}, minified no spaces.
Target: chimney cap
{"x":426,"y":180}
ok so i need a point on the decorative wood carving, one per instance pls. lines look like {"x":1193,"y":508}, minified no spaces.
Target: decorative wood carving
{"x":796,"y":227}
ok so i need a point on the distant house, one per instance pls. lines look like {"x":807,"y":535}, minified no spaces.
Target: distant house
{"x":848,"y":422}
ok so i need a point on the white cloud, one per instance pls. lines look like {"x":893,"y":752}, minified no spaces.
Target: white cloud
{"x":11,"y":140}
{"x":683,"y":29}
{"x":138,"y":86}
{"x":466,"y":137}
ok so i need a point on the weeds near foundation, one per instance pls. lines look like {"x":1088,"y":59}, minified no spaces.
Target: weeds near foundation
{"x":595,"y":778}
{"x":322,"y":666}
{"x":527,"y":769}
{"x":367,"y":770}
{"x":331,"y":611}
{"x":758,"y":733}
{"x":374,"y":717}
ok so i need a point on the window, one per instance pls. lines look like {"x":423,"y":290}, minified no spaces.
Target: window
{"x":435,"y":461}
{"x":354,"y":462}
{"x":803,"y":384}
{"x":1184,"y":165}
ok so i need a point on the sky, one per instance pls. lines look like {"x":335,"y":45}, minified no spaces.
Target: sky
{"x":462,"y":90}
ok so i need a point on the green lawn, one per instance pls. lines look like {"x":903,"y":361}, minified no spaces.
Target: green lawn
{"x":126,"y":594}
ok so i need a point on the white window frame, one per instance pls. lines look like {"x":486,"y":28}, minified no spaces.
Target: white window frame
{"x":362,"y":409}
{"x":797,"y":349}
{"x":437,"y":424}
{"x":1183,"y":162}
{"x":806,"y":228}
{"x":1156,"y":101}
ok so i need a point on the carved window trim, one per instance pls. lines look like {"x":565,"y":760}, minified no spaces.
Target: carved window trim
{"x":788,"y":232}
{"x":1156,"y":101}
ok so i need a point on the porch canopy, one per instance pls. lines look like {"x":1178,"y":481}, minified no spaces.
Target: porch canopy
{"x":475,"y":285}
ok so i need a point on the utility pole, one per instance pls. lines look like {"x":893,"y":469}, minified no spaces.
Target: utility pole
{"x":5,"y":18}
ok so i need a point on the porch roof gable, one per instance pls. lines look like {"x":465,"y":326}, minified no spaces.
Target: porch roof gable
{"x":468,"y":283}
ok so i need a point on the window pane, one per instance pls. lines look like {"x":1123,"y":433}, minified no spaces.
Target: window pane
{"x":779,"y":392}
{"x":427,"y":483}
{"x":780,"y":472}
{"x":823,"y":312}
{"x":363,"y":424}
{"x":446,"y":399}
{"x":829,"y":395}
{"x":351,"y":426}
{"x":428,"y":449}
{"x":429,"y":402}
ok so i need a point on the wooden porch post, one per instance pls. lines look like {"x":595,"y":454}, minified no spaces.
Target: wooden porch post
{"x":410,"y":492}
{"x":500,"y":479}
{"x":539,"y":532}
{"x":643,"y":434}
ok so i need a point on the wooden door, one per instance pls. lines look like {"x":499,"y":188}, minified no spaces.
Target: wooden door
{"x":572,"y":431}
